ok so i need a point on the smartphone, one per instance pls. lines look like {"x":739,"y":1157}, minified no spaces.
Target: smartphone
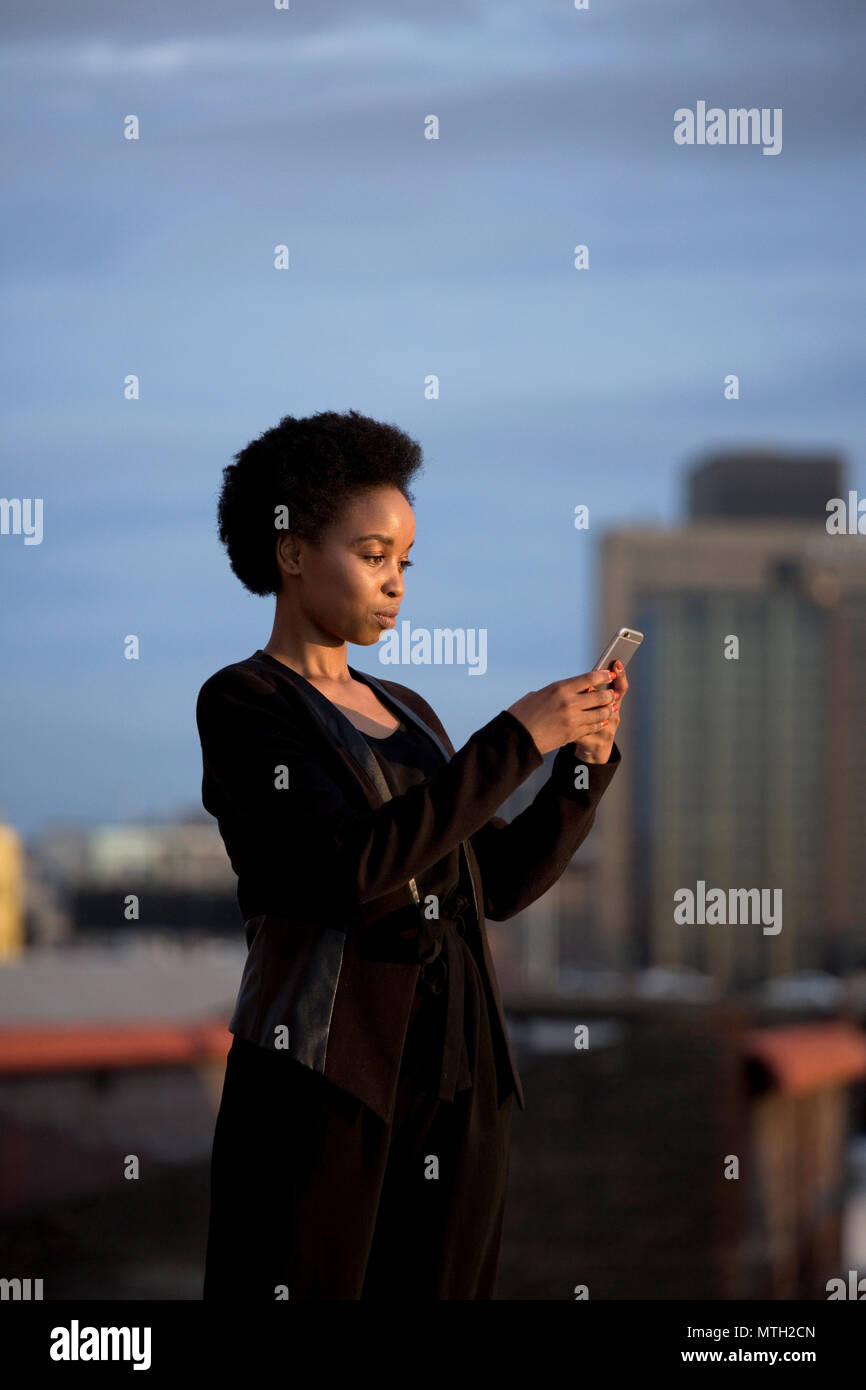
{"x":621,"y":647}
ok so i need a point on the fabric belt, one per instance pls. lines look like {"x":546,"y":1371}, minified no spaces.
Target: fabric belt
{"x":434,"y":973}
{"x":433,"y":979}
{"x":434,"y":968}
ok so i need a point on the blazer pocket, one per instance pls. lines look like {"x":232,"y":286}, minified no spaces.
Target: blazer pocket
{"x":289,"y":981}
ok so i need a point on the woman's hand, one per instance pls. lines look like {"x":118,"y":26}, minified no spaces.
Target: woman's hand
{"x":570,"y":711}
{"x":596,"y":748}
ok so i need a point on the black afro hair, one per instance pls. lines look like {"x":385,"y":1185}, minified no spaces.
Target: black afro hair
{"x":312,"y":466}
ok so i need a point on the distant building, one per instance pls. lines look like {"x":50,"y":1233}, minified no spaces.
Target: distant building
{"x":762,"y":484}
{"x":179,"y":873}
{"x":11,"y":893}
{"x":747,"y":773}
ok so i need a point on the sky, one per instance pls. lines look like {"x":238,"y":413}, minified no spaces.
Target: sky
{"x":408,"y":256}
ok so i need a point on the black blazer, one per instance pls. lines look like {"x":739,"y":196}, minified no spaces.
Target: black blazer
{"x":326,"y":859}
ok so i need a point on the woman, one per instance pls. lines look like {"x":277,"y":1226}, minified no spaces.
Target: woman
{"x":361,"y":1144}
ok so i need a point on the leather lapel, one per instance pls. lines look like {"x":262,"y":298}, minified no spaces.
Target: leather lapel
{"x":355,"y":750}
{"x":349,"y":741}
{"x":341,"y":732}
{"x":388,"y":698}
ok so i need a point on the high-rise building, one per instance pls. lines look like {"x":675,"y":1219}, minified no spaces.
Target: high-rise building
{"x":743,"y":738}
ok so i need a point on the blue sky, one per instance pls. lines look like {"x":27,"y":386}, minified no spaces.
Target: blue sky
{"x":408,"y":257}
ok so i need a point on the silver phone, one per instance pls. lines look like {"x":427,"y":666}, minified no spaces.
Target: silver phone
{"x":621,"y":647}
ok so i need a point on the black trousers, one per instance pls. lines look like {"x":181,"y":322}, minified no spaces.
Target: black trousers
{"x":312,"y":1195}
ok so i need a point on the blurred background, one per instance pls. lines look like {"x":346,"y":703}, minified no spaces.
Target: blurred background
{"x":692,"y":379}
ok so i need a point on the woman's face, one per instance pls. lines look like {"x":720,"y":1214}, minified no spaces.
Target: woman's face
{"x":338,"y":589}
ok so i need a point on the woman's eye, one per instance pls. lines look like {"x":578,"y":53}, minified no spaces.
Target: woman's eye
{"x":405,"y":563}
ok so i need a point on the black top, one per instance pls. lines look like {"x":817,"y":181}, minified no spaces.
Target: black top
{"x":407,"y":758}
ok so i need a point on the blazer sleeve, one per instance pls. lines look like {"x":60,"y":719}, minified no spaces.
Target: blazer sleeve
{"x":520,"y":859}
{"x":285,"y":818}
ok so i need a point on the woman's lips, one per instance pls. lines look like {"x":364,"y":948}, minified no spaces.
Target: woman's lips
{"x":384,"y":620}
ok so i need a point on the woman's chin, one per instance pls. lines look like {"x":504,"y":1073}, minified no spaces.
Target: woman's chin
{"x":364,"y":638}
